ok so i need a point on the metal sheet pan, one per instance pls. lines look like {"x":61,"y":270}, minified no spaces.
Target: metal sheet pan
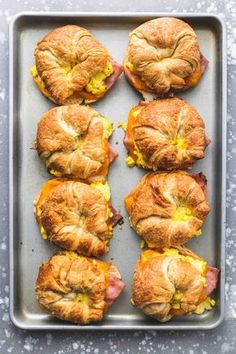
{"x":27,"y":173}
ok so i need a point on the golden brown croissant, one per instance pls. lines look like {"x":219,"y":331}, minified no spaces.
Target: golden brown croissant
{"x":165,"y":134}
{"x":77,"y":289}
{"x":168,"y":209}
{"x":173,"y":282}
{"x":76,"y":216}
{"x":163,"y":57}
{"x":73,"y":142}
{"x":71,"y":66}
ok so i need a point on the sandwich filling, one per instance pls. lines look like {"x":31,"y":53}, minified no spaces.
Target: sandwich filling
{"x":207,"y":303}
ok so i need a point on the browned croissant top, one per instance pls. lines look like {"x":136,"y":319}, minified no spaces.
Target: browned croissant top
{"x":171,"y":282}
{"x":75,"y":216}
{"x":73,"y":142}
{"x":72,"y":66}
{"x":76,"y":288}
{"x":168,"y":209}
{"x":163,"y":56}
{"x":165,"y":134}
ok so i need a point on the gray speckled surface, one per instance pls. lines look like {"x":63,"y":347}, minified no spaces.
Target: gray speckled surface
{"x":219,"y":340}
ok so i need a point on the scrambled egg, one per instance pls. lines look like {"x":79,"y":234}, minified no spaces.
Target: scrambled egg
{"x":208,"y":304}
{"x":108,"y":127}
{"x":103,"y":188}
{"x":142,"y":244}
{"x":175,"y":302}
{"x":196,"y":262}
{"x":129,"y":66}
{"x":182,"y":213}
{"x":130,"y":161}
{"x":34,"y":71}
{"x":140,"y":159}
{"x":72,"y":254}
{"x":198,"y":233}
{"x":97,"y":84}
{"x":43,"y":233}
{"x":81,"y":297}
{"x":122,"y":125}
{"x":180,"y":143}
{"x":56,"y":173}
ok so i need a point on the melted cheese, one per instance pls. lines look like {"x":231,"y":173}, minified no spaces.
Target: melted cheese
{"x":103,"y":188}
{"x":97,"y":83}
{"x":39,"y":81}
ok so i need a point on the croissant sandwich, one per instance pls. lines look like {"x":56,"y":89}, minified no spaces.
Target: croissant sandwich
{"x":165,"y":134}
{"x":163,"y":57}
{"x":76,"y":216}
{"x":173,"y":282}
{"x":168,"y":209}
{"x":77,"y":289}
{"x":71,"y":66}
{"x":72,"y":141}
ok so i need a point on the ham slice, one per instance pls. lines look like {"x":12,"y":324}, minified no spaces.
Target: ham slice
{"x":129,"y":75}
{"x":211,"y":279}
{"x":201,"y":180}
{"x":126,"y":141}
{"x":116,"y":286}
{"x":208,"y":141}
{"x":203,"y":63}
{"x":116,"y":217}
{"x":118,"y":69}
{"x":112,"y":153}
{"x":143,"y":103}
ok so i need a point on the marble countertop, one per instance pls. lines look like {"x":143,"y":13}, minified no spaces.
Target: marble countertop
{"x":219,"y":340}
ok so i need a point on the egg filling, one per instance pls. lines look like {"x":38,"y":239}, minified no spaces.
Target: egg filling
{"x":97,"y":83}
{"x":182,"y":213}
{"x":180,"y":143}
{"x":198,"y":263}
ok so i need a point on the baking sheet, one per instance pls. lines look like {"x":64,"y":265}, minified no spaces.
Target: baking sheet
{"x":27,"y":173}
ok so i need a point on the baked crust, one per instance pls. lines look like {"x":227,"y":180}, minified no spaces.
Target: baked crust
{"x":66,"y":59}
{"x":163,"y":57}
{"x":167,"y":209}
{"x":163,"y":281}
{"x":169,"y":133}
{"x":72,"y":141}
{"x":74,"y":216}
{"x":73,"y":288}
